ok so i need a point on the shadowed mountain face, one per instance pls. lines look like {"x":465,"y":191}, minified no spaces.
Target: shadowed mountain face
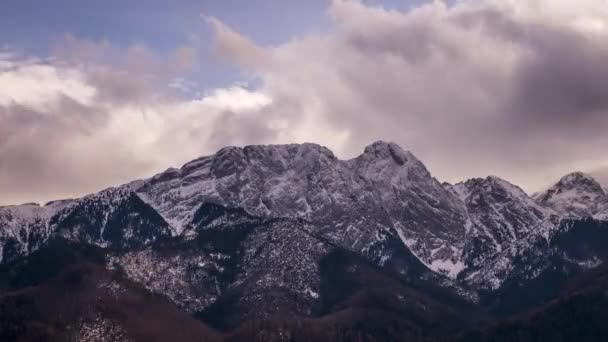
{"x":274,"y":242}
{"x":577,"y":312}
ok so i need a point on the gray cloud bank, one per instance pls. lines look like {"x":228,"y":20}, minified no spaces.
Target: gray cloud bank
{"x":518,"y":89}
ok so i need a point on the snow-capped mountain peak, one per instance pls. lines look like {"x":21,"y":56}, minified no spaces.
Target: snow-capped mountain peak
{"x":575,"y":194}
{"x":386,"y":189}
{"x":580,"y":180}
{"x":382,"y":149}
{"x":499,"y":189}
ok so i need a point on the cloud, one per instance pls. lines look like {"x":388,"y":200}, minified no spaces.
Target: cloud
{"x":513,"y":88}
{"x":237,"y":46}
{"x":37,"y":84}
{"x":68,"y":129}
{"x":236,"y":99}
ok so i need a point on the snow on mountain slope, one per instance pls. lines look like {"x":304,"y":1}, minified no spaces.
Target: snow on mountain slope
{"x":269,"y":264}
{"x":233,"y":267}
{"x":349,"y":201}
{"x":24,"y":227}
{"x":499,"y":213}
{"x":534,"y":269}
{"x":576,"y":194}
{"x":527,"y":255}
{"x":115,"y":217}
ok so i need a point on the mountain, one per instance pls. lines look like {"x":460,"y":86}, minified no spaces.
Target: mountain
{"x":357,"y":203}
{"x":114,"y":217}
{"x":576,"y":194}
{"x":498,"y":214}
{"x":24,"y":228}
{"x":290,"y":238}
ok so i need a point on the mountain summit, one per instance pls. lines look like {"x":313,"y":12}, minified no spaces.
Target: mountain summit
{"x":384,"y":191}
{"x":576,"y":194}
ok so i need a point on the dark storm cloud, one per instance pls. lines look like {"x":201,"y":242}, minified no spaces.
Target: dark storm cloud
{"x":564,"y":78}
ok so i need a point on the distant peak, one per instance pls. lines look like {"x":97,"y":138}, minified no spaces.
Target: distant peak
{"x":577,"y":180}
{"x":289,"y":148}
{"x":504,"y":183}
{"x":230,"y":150}
{"x":577,"y":177}
{"x":383,"y":149}
{"x":576,"y":193}
{"x":495,"y":179}
{"x":381,"y":145}
{"x":491,"y":183}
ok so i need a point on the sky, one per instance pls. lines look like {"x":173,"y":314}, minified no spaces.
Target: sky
{"x":98,"y":93}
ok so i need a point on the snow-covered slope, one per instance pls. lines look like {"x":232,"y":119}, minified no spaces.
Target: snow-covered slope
{"x":534,"y":269}
{"x":576,"y":194}
{"x":350,"y":202}
{"x":23,"y":228}
{"x":525,"y":258}
{"x":498,"y":214}
{"x":115,"y":217}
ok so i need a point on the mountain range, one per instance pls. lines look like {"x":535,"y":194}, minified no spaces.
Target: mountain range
{"x":290,"y":243}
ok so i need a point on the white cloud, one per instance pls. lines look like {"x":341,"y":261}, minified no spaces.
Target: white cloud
{"x":38,"y":84}
{"x":60,"y":138}
{"x":235,"y":99}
